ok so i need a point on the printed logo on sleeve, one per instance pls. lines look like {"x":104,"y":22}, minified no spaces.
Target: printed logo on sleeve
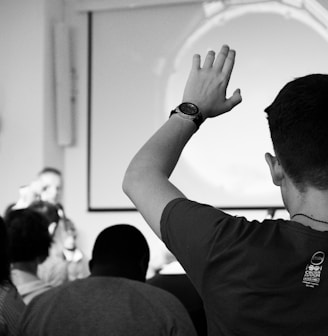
{"x":313,"y":270}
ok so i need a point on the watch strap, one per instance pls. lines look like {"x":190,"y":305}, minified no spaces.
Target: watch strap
{"x":197,"y":119}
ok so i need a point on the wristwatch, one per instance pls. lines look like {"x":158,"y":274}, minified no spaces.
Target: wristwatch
{"x":189,"y":111}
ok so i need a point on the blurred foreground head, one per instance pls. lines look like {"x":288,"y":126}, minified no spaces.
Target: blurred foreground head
{"x":120,"y":250}
{"x":29,"y":238}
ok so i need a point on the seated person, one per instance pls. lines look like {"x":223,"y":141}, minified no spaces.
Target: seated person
{"x":50,"y":182}
{"x":11,"y":304}
{"x":40,"y":194}
{"x":172,"y":277}
{"x":54,"y":270}
{"x":113,"y":300}
{"x":29,"y":243}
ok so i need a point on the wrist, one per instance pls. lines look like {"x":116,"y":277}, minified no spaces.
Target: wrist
{"x":181,"y":120}
{"x":189,"y":111}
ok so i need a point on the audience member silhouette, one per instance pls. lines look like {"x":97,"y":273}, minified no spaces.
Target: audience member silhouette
{"x":11,"y":304}
{"x":29,"y":243}
{"x":255,"y":278}
{"x":47,"y":189}
{"x":173,"y":278}
{"x":114,"y":300}
{"x":54,"y":270}
{"x":50,"y":184}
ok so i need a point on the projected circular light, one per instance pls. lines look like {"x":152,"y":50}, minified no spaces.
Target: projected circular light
{"x":226,"y":154}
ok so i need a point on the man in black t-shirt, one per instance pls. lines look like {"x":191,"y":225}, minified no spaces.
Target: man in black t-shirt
{"x":255,"y":278}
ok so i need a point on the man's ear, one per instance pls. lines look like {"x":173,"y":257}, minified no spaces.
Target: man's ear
{"x":276,"y":170}
{"x":90,"y":265}
{"x":143,"y":266}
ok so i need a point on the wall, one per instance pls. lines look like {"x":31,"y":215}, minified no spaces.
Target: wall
{"x":89,"y":224}
{"x":28,"y":111}
{"x":27,"y":135}
{"x":21,"y":90}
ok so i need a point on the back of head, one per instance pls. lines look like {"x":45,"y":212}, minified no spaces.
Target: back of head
{"x":29,"y":238}
{"x":4,"y":255}
{"x":298,"y":120}
{"x":120,"y":250}
{"x":49,"y":210}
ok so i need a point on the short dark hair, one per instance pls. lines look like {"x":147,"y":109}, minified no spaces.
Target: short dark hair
{"x":28,"y":234}
{"x":49,"y":210}
{"x":298,"y":119}
{"x":50,"y":170}
{"x":121,"y":243}
{"x":4,"y":254}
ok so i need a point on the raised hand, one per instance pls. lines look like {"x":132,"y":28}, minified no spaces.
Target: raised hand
{"x":206,"y":86}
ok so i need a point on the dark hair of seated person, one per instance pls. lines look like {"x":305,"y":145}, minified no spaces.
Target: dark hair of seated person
{"x":49,"y":210}
{"x":29,"y":238}
{"x":120,"y":251}
{"x":4,"y":254}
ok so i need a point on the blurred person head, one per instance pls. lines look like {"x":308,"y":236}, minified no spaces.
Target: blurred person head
{"x":4,"y":254}
{"x":50,"y":211}
{"x":51,"y":184}
{"x":120,"y":250}
{"x":29,"y":238}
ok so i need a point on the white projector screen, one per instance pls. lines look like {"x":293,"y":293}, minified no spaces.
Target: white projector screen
{"x":139,"y":60}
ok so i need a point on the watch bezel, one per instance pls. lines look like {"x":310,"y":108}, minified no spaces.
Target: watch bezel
{"x":188,"y":109}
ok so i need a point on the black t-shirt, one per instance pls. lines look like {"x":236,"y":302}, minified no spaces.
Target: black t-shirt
{"x":181,"y":287}
{"x":255,"y":278}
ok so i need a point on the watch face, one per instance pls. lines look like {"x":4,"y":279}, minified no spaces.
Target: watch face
{"x":188,"y":108}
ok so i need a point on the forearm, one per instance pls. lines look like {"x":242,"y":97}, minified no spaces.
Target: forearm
{"x":150,"y":169}
{"x":162,"y":151}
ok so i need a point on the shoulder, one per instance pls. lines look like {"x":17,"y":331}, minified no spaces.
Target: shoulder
{"x":11,"y":297}
{"x":158,"y":298}
{"x":201,"y":220}
{"x":186,"y":204}
{"x":96,"y":291}
{"x":11,"y":309}
{"x":183,"y":210}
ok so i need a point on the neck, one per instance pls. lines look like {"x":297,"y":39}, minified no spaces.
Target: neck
{"x":28,"y":267}
{"x":310,"y":208}
{"x":112,"y":271}
{"x":23,"y":273}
